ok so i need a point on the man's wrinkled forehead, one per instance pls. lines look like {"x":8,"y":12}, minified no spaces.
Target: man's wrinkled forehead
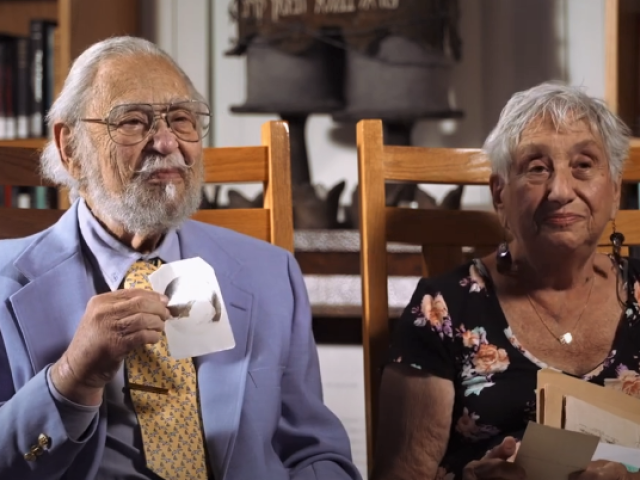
{"x":138,"y":79}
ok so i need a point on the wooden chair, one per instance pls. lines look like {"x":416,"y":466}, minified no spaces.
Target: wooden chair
{"x":268,"y":164}
{"x":439,"y":232}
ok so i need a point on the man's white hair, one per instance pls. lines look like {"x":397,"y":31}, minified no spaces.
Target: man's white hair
{"x":564,"y":106}
{"x":71,"y":104}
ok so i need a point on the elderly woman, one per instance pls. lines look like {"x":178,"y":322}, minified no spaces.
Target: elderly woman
{"x":464,"y":356}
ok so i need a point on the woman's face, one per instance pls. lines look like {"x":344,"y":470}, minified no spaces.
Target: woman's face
{"x":559,"y":192}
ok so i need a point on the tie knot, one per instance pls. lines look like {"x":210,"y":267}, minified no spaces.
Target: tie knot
{"x":138,"y":274}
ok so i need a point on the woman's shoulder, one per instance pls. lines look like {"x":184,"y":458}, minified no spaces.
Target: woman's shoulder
{"x":452,"y":292}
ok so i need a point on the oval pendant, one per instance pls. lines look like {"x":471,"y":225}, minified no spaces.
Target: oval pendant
{"x":566,"y":339}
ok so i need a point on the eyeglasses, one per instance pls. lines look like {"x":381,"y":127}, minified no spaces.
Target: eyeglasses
{"x":130,"y":124}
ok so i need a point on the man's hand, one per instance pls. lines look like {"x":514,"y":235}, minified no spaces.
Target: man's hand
{"x":602,"y":470}
{"x":497,"y":464}
{"x":113,"y":324}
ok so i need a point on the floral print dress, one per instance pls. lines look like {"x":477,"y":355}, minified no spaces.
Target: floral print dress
{"x":454,"y":328}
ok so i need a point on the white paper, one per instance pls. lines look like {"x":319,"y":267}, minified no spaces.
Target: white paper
{"x":583,"y":417}
{"x":199,"y":324}
{"x":616,"y":453}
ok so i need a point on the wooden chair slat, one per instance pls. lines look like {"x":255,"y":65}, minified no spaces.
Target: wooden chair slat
{"x":436,"y":165}
{"x":631,"y":172}
{"x":627,"y":222}
{"x":253,"y":222}
{"x":451,"y":228}
{"x":469,"y":228}
{"x":437,"y":259}
{"x":236,"y":164}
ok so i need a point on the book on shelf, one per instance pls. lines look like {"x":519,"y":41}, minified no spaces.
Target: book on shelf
{"x":26,"y":81}
{"x":28,"y":197}
{"x":26,"y":94}
{"x":42,"y":61}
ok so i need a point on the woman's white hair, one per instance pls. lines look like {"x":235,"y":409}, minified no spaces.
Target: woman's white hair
{"x":71,"y":104}
{"x":564,"y":106}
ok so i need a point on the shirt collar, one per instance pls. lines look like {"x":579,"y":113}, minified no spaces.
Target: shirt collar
{"x":113,"y":258}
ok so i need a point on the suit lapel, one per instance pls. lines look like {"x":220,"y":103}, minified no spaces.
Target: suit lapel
{"x":49,"y":307}
{"x":222,"y":375}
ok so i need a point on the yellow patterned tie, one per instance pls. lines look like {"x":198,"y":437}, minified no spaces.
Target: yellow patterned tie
{"x":164,"y":393}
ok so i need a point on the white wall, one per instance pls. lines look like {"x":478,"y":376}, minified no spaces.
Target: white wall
{"x":183,"y":30}
{"x":585,"y":44}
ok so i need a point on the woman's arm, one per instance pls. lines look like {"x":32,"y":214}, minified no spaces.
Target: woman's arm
{"x":414,"y":424}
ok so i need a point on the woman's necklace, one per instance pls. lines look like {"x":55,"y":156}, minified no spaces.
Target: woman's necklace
{"x":566,"y":338}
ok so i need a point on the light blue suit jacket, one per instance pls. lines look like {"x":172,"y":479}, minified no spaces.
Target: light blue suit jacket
{"x":262,"y":406}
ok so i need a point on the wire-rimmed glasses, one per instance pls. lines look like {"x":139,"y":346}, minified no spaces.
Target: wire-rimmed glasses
{"x":131,"y":123}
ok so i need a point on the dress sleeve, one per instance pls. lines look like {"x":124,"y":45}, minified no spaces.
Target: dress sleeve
{"x":423,"y":336}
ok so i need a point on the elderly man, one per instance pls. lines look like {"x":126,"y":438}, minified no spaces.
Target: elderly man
{"x":87,"y":387}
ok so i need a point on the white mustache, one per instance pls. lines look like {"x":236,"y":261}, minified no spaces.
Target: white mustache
{"x":153,"y":163}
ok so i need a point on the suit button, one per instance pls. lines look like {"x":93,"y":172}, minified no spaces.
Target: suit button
{"x":30,"y":456}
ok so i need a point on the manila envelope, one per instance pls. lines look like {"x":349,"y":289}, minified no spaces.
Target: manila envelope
{"x":554,"y":387}
{"x":548,"y":453}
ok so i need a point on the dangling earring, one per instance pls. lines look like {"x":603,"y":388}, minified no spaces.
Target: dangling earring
{"x":503,"y":258}
{"x":617,"y":240}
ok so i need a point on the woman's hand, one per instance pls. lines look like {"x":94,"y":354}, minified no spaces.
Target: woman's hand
{"x":498,"y":464}
{"x":603,"y":470}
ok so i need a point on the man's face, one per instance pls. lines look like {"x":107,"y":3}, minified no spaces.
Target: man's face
{"x":154,"y":184}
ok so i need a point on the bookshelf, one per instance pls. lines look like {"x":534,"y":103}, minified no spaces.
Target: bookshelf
{"x":80,"y":24}
{"x":622,"y":61}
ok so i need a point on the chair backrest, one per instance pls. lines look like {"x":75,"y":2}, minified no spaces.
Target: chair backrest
{"x":441,"y":233}
{"x":268,"y":164}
